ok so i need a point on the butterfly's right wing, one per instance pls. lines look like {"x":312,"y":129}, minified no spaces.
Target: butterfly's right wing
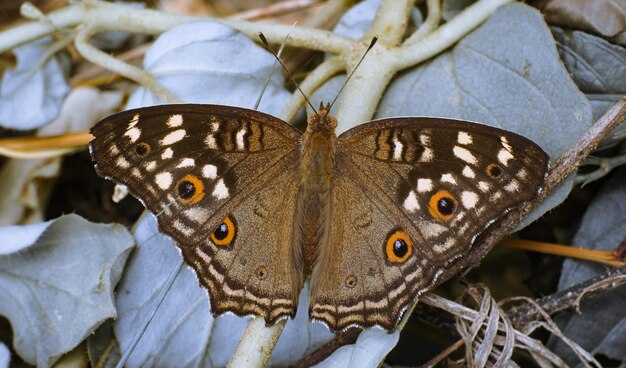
{"x":222,"y":182}
{"x":410,"y":197}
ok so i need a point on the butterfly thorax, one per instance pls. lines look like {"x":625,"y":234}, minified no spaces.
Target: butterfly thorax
{"x":316,"y":175}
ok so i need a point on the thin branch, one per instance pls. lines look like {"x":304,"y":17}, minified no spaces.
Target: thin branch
{"x":139,"y":75}
{"x":595,"y":255}
{"x":345,"y":338}
{"x":568,"y":298}
{"x":572,"y":158}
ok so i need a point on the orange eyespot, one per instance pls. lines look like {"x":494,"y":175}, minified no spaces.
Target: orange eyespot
{"x":224,"y":235}
{"x":189,"y":189}
{"x":399,"y":247}
{"x":142,"y":149}
{"x":493,"y":170}
{"x":442,"y":205}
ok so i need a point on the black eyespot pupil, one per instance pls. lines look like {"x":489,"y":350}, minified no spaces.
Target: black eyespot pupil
{"x":141,"y":149}
{"x":221,"y":232}
{"x":400,"y":248}
{"x":494,"y":171}
{"x":186,"y":189}
{"x":445,"y":206}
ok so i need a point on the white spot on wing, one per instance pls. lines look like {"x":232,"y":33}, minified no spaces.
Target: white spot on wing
{"x":210,"y":141}
{"x":424,"y":185}
{"x":511,"y":186}
{"x":483,"y":186}
{"x":121,"y":162}
{"x":221,"y":190}
{"x":397,"y":149}
{"x":432,"y":230}
{"x":464,"y":138}
{"x":151,"y":166}
{"x":505,"y":143}
{"x":447,"y":178}
{"x":168,"y":153}
{"x":209,"y":171}
{"x":133,"y":134}
{"x":198,"y":214}
{"x":173,"y":137}
{"x":468,"y":172}
{"x":164,"y":180}
{"x":522,"y":174}
{"x":464,"y":155}
{"x":175,"y":121}
{"x":187,"y":162}
{"x":427,"y":155}
{"x":239,"y":138}
{"x":410,"y":203}
{"x":133,"y":121}
{"x":504,"y":156}
{"x":469,"y":199}
{"x":440,"y":248}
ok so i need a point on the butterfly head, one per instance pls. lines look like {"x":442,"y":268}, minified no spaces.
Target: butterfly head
{"x":322,"y":121}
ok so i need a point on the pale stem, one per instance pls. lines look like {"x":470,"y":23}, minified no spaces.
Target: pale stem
{"x":328,"y":14}
{"x":433,"y":18}
{"x":40,"y":154}
{"x":139,"y":75}
{"x":30,"y":11}
{"x":313,"y":81}
{"x":362,"y":94}
{"x":30,"y":31}
{"x":102,"y":16}
{"x":446,"y":35}
{"x":257,"y":343}
{"x":391,"y":21}
{"x":360,"y":97}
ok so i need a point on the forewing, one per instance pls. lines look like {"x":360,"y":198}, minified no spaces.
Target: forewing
{"x":205,"y":170}
{"x":431,"y":185}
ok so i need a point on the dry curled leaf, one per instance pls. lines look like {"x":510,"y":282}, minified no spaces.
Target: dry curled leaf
{"x":603,"y":17}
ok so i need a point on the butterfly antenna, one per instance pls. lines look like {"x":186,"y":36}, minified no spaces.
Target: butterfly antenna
{"x":354,"y":70}
{"x":267,"y":82}
{"x":269,"y":47}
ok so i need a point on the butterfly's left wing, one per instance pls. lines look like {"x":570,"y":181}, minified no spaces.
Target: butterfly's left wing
{"x":222,"y":182}
{"x":410,"y":196}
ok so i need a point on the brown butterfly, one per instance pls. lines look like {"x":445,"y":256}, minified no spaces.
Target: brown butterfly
{"x":373,"y":216}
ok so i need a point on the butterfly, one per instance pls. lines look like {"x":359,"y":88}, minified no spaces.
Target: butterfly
{"x":373,"y":217}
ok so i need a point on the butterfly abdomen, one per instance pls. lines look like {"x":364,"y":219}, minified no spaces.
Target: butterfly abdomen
{"x":316,"y":170}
